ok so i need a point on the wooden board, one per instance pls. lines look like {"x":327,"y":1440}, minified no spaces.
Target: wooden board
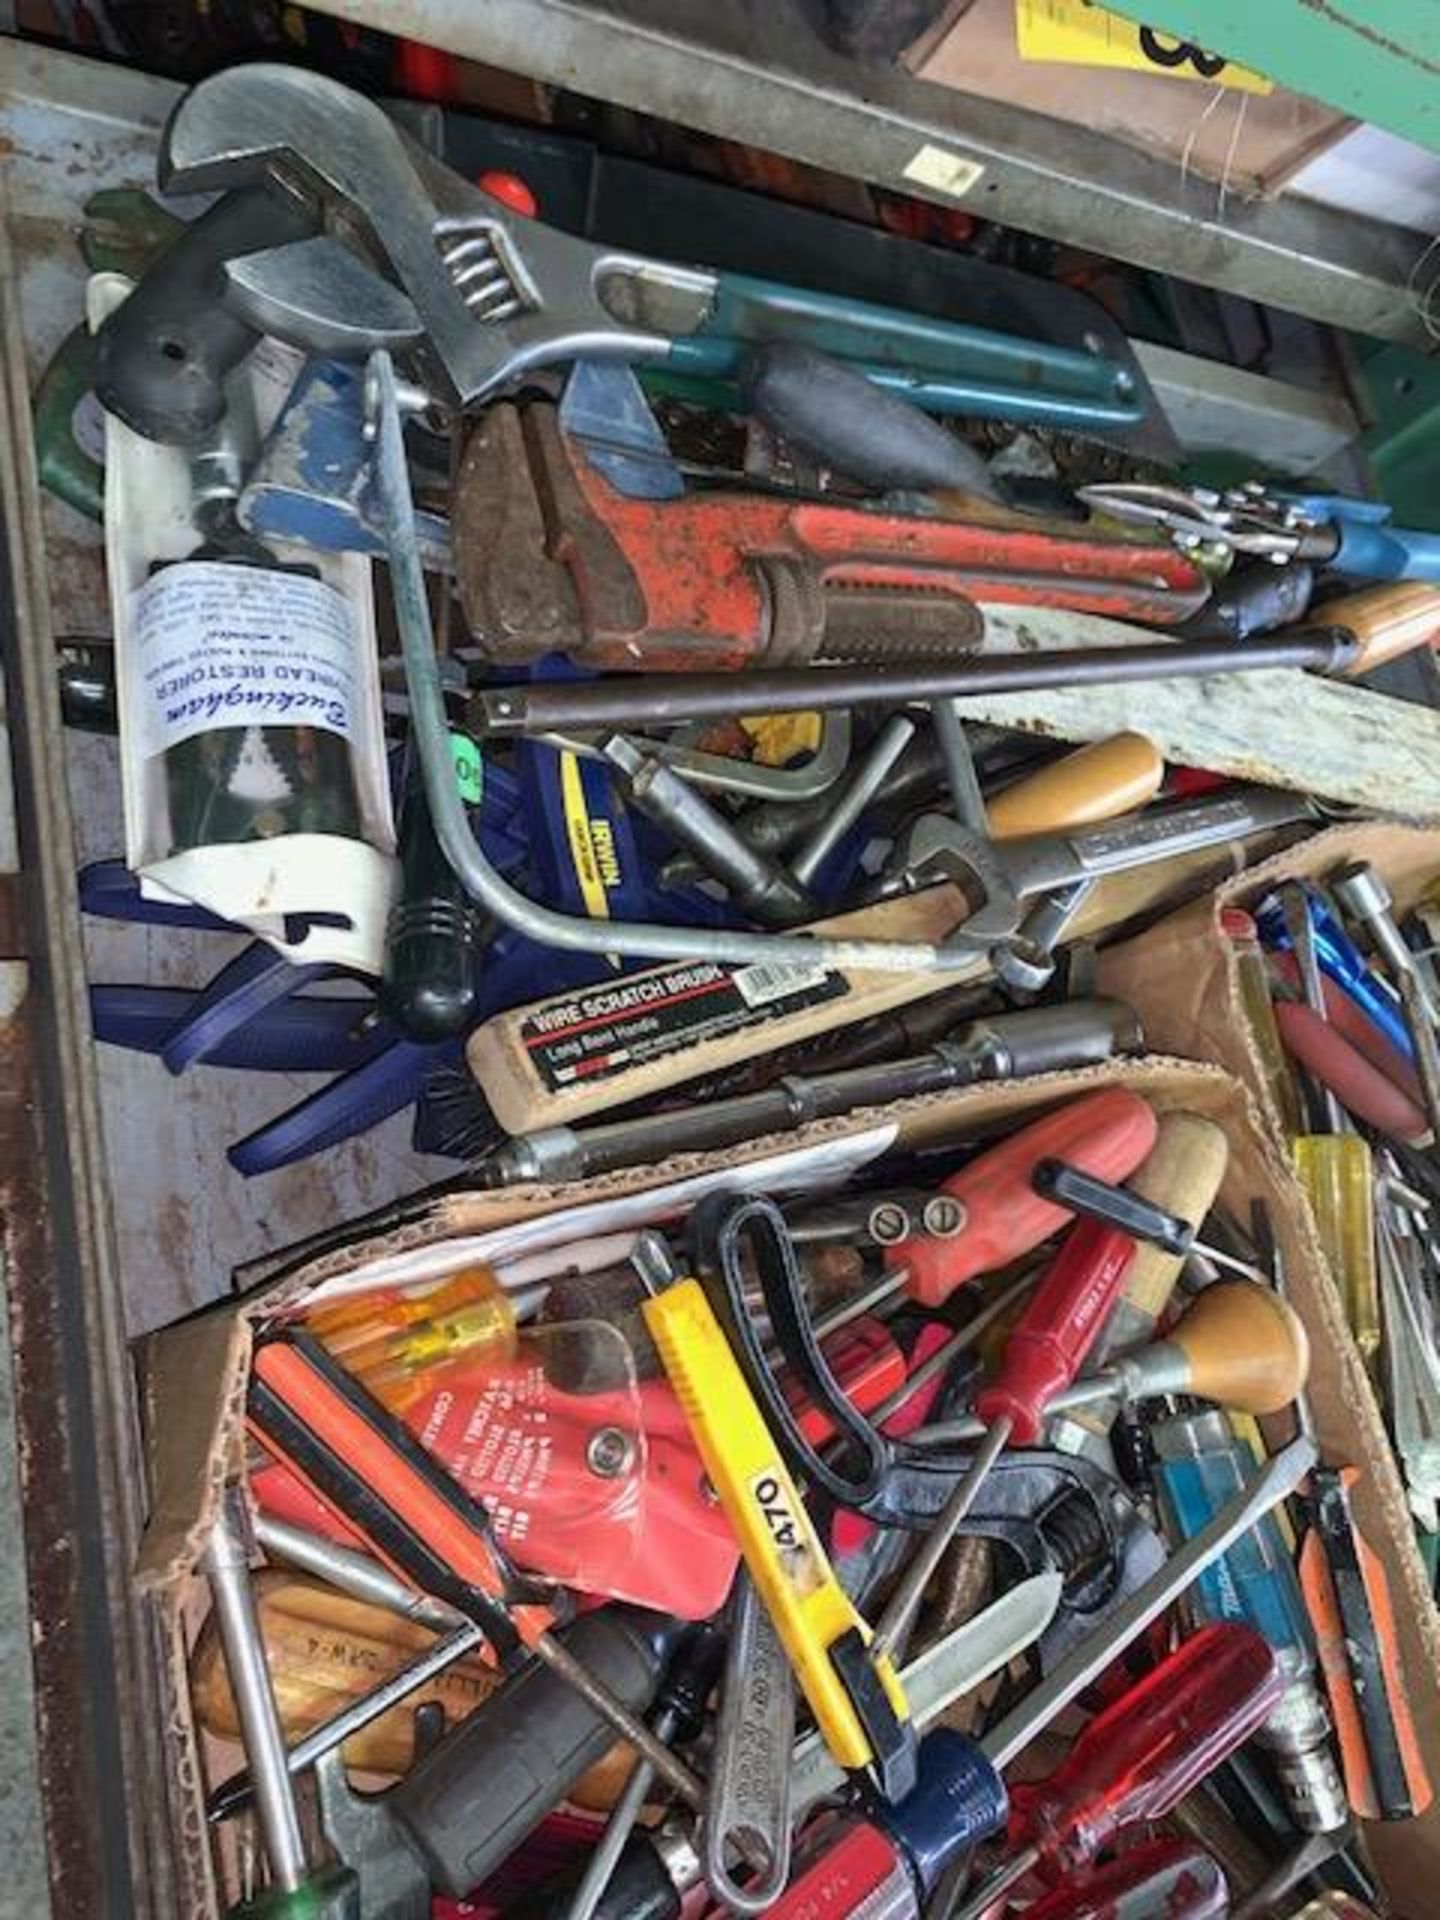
{"x":1343,"y":743}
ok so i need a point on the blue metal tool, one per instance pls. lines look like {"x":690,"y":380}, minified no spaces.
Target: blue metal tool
{"x":313,"y":482}
{"x":1343,"y":962}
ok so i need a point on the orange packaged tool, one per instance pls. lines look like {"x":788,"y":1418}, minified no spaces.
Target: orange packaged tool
{"x":361,"y":1460}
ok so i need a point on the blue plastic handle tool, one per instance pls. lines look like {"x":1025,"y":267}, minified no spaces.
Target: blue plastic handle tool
{"x":1342,"y":961}
{"x":300,"y":1035}
{"x":250,"y":983}
{"x":354,"y":1103}
{"x":1370,"y":547}
{"x":1196,"y":1473}
{"x":111,"y":891}
{"x":940,"y":365}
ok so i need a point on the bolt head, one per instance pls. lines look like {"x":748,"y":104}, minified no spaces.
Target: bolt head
{"x":610,"y":1452}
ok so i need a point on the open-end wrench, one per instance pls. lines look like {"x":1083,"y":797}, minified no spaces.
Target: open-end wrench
{"x":749,"y":1808}
{"x":1004,"y":874}
{"x":370,"y":1841}
{"x":496,"y":293}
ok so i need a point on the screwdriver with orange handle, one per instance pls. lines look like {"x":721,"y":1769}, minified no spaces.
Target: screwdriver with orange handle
{"x":1347,"y":1596}
{"x":362,"y":1461}
{"x":1106,"y":1133}
{"x":1140,"y":1757}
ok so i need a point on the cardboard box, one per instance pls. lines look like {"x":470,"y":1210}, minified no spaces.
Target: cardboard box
{"x":1181,"y":977}
{"x":195,"y":1372}
{"x":1253,"y":142}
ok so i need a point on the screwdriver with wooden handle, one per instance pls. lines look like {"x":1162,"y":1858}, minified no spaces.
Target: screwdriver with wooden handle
{"x":1385,"y":621}
{"x":1095,"y":782}
{"x":1237,"y":1344}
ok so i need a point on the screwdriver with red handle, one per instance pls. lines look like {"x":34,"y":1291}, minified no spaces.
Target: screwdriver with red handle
{"x":1004,"y":1218}
{"x":1140,"y":1757}
{"x":1107,"y":1133}
{"x":1043,"y":1353}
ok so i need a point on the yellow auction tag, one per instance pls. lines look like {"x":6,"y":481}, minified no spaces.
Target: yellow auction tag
{"x":1088,"y":35}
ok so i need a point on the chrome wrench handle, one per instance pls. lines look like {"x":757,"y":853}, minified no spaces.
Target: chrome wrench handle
{"x":748,"y":1815}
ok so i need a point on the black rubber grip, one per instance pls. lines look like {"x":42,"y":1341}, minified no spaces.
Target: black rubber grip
{"x":162,"y":357}
{"x":639,"y":1889}
{"x":833,"y":413}
{"x":1085,"y":1193}
{"x":472,"y":1800}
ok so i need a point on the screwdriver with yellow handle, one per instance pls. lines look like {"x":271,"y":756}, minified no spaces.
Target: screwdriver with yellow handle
{"x":858,"y":1703}
{"x":1334,"y":1165}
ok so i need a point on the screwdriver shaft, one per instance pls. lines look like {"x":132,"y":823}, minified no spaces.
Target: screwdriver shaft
{"x":676,"y":1775}
{"x":906,"y":1598}
{"x":1276,"y":1481}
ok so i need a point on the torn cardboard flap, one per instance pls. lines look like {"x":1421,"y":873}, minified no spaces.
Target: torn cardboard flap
{"x":1181,"y":977}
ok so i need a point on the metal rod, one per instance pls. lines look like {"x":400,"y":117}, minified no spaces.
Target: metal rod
{"x":618,"y":1828}
{"x":1275,"y":1481}
{"x":676,"y":1775}
{"x":857,"y":791}
{"x":960,"y":774}
{"x":226,"y":1565}
{"x":547,"y":706}
{"x":906,"y":1598}
{"x":941,"y":1360}
{"x":355,"y":1573}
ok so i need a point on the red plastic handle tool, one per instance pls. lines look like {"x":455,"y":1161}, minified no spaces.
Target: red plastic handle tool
{"x":1359,"y":1087}
{"x":1142,"y":1755}
{"x":859,"y":1867}
{"x":1352,"y":1023}
{"x":1175,"y":1878}
{"x":1107,"y":1133}
{"x":1060,"y":1324}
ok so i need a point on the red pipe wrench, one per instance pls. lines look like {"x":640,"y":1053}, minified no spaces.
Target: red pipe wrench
{"x":550,"y":558}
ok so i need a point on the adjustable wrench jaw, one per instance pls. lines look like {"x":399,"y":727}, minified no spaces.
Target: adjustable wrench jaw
{"x":1004,"y":877}
{"x":493,"y":293}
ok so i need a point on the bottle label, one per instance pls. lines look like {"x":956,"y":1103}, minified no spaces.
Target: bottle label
{"x":218,"y":645}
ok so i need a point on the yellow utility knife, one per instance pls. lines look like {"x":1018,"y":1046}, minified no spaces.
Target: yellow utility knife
{"x":858,"y":1703}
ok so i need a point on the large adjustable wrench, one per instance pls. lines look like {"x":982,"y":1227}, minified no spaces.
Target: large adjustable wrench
{"x":494,"y":293}
{"x":1001,"y":876}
